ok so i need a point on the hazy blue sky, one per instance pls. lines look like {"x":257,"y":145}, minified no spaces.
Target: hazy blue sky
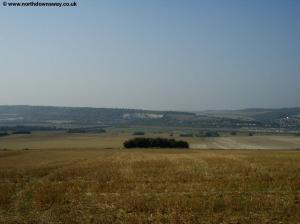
{"x":176,"y":55}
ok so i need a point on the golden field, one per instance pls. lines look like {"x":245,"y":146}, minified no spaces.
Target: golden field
{"x":91,"y":179}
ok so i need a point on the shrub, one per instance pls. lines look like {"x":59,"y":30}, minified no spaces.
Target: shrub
{"x":233,"y":133}
{"x":2,"y":134}
{"x":76,"y":130}
{"x":100,"y":130}
{"x":186,"y":135}
{"x":21,"y":132}
{"x":155,"y":143}
{"x":139,"y":133}
{"x":251,"y":134}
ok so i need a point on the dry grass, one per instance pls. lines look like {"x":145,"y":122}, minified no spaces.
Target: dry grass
{"x":149,"y":186}
{"x":65,"y":178}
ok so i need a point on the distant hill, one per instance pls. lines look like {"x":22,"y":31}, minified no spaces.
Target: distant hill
{"x":82,"y":115}
{"x":70,"y":116}
{"x":258,"y":114}
{"x":277,"y":118}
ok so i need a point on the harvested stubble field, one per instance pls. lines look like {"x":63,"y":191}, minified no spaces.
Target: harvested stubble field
{"x":149,"y":186}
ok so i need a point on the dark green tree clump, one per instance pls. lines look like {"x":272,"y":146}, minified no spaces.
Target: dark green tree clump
{"x":155,"y":143}
{"x":76,"y":130}
{"x":21,"y":132}
{"x":233,"y":133}
{"x":2,"y":134}
{"x":139,"y":133}
{"x":186,"y":135}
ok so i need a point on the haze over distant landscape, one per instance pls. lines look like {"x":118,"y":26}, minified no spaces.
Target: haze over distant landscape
{"x":158,"y":55}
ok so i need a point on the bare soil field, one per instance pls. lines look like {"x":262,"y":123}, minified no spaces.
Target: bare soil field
{"x":74,"y":179}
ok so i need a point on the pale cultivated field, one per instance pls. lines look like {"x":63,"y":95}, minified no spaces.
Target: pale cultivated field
{"x":247,"y":142}
{"x":66,"y":178}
